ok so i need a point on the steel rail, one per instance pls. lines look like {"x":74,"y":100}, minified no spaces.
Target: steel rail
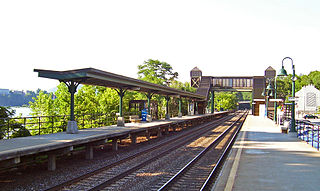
{"x":206,"y":184}
{"x":139,"y":166}
{"x":195,"y":159}
{"x":183,"y":136}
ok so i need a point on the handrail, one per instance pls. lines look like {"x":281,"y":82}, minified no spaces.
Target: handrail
{"x":308,"y":132}
{"x":38,"y":125}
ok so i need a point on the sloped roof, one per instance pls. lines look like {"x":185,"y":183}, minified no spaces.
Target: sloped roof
{"x":91,"y":76}
{"x":270,"y":68}
{"x":196,"y":69}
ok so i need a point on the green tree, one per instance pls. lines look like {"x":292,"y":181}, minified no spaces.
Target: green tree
{"x":108,"y":100}
{"x":156,"y":72}
{"x":62,"y":100}
{"x":284,"y":86}
{"x":161,"y":73}
{"x":226,"y":101}
{"x":302,"y":80}
{"x":315,"y":78}
{"x":5,"y":113}
{"x":43,"y":105}
{"x":15,"y":128}
{"x":244,"y":96}
{"x":86,"y":101}
{"x":182,"y":86}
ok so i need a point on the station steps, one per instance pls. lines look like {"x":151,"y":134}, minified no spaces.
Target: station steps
{"x":204,"y":87}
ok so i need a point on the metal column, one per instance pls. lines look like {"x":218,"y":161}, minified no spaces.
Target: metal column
{"x":275,"y":103}
{"x":121,"y":93}
{"x":212,"y":101}
{"x":167,"y":107}
{"x":72,"y":124}
{"x":149,"y":96}
{"x":293,"y":120}
{"x":180,"y":107}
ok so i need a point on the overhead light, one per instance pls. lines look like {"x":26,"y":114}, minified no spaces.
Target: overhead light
{"x":282,"y":72}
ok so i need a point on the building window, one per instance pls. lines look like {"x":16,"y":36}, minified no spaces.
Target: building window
{"x":311,"y":100}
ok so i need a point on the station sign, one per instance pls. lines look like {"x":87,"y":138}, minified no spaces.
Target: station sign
{"x":276,"y":100}
{"x":293,"y":98}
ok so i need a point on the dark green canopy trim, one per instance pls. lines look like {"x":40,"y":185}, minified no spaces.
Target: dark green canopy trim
{"x":91,"y":76}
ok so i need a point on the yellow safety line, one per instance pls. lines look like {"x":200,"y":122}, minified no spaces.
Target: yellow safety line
{"x":234,"y":168}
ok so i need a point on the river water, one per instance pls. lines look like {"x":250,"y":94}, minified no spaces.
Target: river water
{"x":24,"y":111}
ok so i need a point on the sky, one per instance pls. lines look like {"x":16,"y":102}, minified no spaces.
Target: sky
{"x":220,"y":37}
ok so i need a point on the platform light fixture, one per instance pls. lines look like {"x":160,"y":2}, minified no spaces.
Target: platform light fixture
{"x":283,"y":72}
{"x":268,"y":92}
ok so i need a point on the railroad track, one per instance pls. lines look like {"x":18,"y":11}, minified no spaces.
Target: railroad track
{"x":108,"y":177}
{"x":199,"y":172}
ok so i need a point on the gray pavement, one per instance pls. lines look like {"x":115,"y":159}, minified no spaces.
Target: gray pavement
{"x":263,"y":158}
{"x":22,"y":146}
{"x":34,"y":144}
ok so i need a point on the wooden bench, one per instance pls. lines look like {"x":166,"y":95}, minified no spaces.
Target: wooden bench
{"x":134,"y":119}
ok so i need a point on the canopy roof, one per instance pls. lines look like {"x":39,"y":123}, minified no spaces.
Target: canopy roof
{"x":91,"y":76}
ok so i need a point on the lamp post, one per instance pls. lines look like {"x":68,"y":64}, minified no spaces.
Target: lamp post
{"x":283,"y":72}
{"x":275,"y":103}
{"x":269,"y":92}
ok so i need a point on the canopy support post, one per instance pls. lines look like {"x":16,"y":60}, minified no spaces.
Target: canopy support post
{"x":72,"y":85}
{"x":167,"y":107}
{"x":121,"y":93}
{"x":212,"y":101}
{"x":149,"y":96}
{"x":180,"y":107}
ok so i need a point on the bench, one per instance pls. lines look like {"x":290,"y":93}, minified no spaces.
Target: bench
{"x":134,"y":119}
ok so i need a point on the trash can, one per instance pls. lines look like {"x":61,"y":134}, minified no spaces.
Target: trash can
{"x":144,"y":114}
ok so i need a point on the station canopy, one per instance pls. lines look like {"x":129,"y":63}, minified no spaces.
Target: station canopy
{"x":91,"y":76}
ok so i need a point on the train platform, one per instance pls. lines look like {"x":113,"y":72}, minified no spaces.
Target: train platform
{"x":13,"y":151}
{"x":263,"y":158}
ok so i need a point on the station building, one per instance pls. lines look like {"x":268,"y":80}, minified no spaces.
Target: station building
{"x":308,"y":100}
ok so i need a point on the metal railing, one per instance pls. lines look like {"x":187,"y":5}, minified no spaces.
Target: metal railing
{"x":308,"y":132}
{"x":58,"y":123}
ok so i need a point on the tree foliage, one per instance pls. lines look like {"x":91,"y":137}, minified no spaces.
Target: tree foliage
{"x":314,"y":78}
{"x":182,"y":86}
{"x":15,"y":130}
{"x":4,"y":114}
{"x":284,"y":84}
{"x":225,"y":101}
{"x":157,"y":72}
{"x":162,"y":73}
{"x":244,"y":96}
{"x":43,"y":105}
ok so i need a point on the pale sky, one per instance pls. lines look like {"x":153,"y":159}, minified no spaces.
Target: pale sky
{"x":221,"y":37}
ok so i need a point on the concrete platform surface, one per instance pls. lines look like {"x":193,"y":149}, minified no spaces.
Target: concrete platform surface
{"x":22,"y":146}
{"x":263,"y":158}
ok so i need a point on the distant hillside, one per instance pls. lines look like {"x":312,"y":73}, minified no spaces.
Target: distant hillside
{"x":16,"y":98}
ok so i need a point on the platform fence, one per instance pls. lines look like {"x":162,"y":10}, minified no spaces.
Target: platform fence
{"x":308,"y":132}
{"x":26,"y":126}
